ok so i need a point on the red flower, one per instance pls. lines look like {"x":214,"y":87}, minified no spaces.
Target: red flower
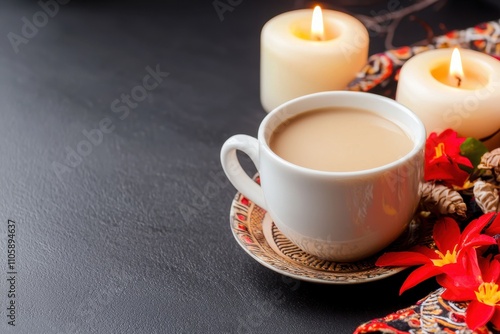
{"x":443,"y":159}
{"x":450,"y":257}
{"x":461,"y":285}
{"x":481,"y":287}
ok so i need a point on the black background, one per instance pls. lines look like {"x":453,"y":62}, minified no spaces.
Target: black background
{"x":135,"y":238}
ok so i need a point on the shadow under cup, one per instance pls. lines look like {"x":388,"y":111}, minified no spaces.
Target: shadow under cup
{"x":342,"y":216}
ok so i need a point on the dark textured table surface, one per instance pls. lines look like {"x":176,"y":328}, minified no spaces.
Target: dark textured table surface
{"x":111,"y":121}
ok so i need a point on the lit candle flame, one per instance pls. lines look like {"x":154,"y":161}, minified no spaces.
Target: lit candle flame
{"x":456,"y":69}
{"x":317,"y":27}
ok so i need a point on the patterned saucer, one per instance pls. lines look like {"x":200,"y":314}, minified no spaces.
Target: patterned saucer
{"x":256,"y":233}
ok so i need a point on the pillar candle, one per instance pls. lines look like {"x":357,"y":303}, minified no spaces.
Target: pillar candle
{"x":296,"y":61}
{"x":467,"y":102}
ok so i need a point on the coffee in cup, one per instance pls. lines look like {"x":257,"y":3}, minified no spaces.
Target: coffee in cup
{"x":339,"y":140}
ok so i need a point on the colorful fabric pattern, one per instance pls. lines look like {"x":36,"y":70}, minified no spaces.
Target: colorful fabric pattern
{"x":431,"y":314}
{"x":380,"y":74}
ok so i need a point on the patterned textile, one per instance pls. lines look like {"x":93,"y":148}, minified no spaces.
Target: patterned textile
{"x":431,"y":314}
{"x":380,"y":73}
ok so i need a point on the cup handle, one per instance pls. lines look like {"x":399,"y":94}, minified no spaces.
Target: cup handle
{"x":235,"y":173}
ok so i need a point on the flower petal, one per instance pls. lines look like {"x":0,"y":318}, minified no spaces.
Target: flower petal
{"x":469,"y":261}
{"x":480,"y":240}
{"x":446,"y":171}
{"x":419,"y":275}
{"x":478,"y":314}
{"x":494,"y":227}
{"x":477,"y":225}
{"x":458,"y":288}
{"x":464,"y":161}
{"x":458,"y":294}
{"x":495,"y":319}
{"x":428,"y":252}
{"x":446,"y":234}
{"x":490,"y":270}
{"x":401,"y":259}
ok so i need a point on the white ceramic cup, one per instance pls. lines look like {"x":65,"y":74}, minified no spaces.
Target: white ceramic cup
{"x":337,"y":216}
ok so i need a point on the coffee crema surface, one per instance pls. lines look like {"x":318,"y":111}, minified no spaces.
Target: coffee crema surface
{"x":340,"y":140}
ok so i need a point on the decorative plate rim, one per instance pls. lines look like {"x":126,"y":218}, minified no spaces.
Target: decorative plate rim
{"x":255,"y":243}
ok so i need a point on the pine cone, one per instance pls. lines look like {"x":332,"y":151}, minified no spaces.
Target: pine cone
{"x":491,"y":161}
{"x":440,"y":199}
{"x":486,"y":195}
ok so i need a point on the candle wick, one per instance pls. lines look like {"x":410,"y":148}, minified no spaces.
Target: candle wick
{"x":459,"y":80}
{"x":317,"y":37}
